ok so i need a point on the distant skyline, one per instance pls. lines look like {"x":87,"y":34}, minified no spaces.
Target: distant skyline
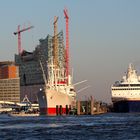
{"x":104,"y":37}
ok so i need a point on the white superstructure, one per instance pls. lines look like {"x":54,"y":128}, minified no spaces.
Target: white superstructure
{"x":128,"y":87}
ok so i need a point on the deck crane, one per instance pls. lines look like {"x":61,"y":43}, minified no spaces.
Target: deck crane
{"x":55,"y":42}
{"x":18,"y":32}
{"x":67,"y":42}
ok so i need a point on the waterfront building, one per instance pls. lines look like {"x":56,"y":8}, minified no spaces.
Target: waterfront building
{"x":9,"y":82}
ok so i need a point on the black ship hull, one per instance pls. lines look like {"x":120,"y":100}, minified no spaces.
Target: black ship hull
{"x":127,"y":106}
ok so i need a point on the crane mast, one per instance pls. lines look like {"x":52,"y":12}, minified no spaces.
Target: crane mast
{"x":19,"y":37}
{"x":67,"y":42}
{"x":55,"y":47}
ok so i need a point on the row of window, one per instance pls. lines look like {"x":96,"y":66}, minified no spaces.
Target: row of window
{"x":127,"y":89}
{"x":126,"y":94}
{"x":10,"y":99}
{"x":9,"y":80}
{"x":13,"y":96}
{"x":9,"y":84}
{"x":7,"y":89}
{"x":127,"y":85}
{"x":10,"y":93}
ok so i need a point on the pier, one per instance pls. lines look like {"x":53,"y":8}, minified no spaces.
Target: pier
{"x":91,"y":107}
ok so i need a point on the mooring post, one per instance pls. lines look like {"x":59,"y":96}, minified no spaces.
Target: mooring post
{"x":87,"y":108}
{"x":92,"y":106}
{"x":98,"y":107}
{"x":78,"y":107}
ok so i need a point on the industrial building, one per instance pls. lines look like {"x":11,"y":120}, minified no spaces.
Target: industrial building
{"x":9,"y":82}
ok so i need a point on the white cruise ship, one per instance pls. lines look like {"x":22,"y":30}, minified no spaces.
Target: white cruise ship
{"x":126,"y":93}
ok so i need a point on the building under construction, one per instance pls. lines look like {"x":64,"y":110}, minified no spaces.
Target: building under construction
{"x":9,"y":82}
{"x":30,"y":73}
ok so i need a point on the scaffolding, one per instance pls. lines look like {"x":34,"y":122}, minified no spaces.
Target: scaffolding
{"x":61,"y":49}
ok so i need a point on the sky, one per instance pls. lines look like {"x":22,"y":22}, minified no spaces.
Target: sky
{"x":104,"y":37}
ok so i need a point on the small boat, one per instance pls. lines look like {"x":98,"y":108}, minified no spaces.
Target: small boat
{"x":26,"y":109}
{"x":23,"y":114}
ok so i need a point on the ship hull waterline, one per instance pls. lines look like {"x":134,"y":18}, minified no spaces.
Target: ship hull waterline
{"x":52,"y":103}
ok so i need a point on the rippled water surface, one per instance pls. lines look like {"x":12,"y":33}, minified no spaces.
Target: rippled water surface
{"x":109,"y":126}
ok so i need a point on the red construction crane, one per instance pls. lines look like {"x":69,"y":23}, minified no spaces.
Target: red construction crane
{"x":19,"y":36}
{"x":67,"y":41}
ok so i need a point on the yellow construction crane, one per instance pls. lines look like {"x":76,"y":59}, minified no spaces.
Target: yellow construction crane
{"x":55,"y":42}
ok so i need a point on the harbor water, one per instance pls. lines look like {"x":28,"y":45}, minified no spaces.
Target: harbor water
{"x":110,"y":126}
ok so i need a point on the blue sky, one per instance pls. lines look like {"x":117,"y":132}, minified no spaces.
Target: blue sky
{"x":104,"y":36}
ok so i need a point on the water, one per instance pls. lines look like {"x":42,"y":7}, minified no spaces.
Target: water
{"x":109,"y":126}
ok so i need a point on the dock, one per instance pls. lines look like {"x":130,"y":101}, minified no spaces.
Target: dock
{"x":91,"y":107}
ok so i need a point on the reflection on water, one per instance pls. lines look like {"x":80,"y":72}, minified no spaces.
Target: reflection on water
{"x":109,"y":126}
